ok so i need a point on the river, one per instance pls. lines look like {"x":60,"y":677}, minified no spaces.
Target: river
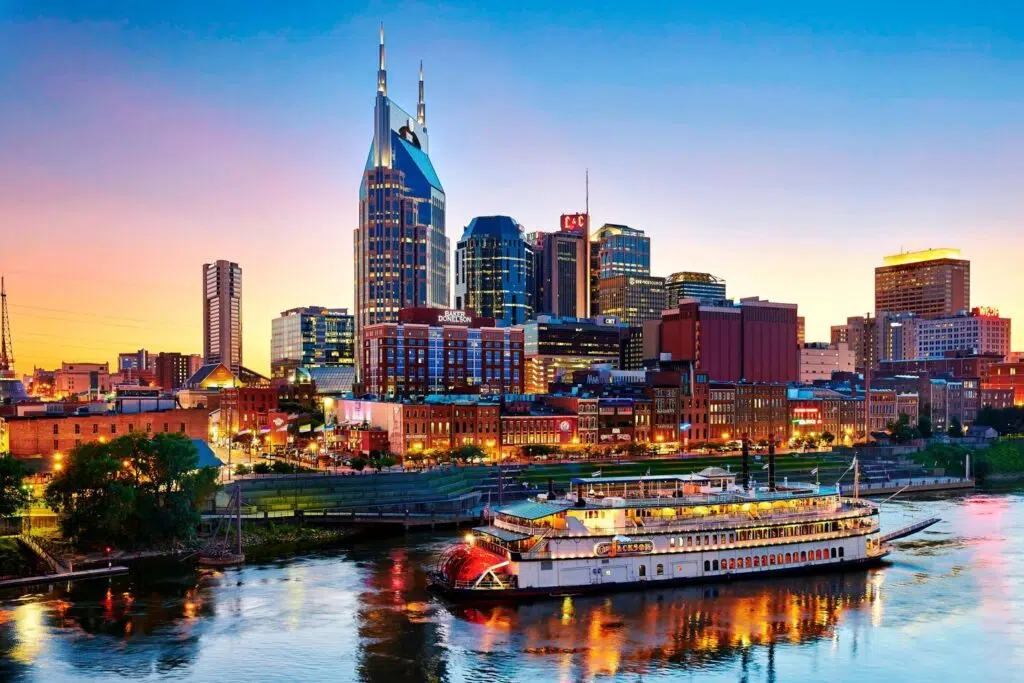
{"x":948,"y":607}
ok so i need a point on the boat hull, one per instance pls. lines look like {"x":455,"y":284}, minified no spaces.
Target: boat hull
{"x":438,"y":583}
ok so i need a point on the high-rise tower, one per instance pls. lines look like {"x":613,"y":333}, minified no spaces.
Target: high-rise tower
{"x":401,"y":251}
{"x":222,"y":314}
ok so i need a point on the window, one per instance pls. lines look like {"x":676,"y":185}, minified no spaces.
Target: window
{"x":78,"y":429}
{"x":56,"y":445}
{"x":660,"y":570}
{"x":56,"y":428}
{"x":165,"y":426}
{"x":643,"y":570}
{"x":131,"y":428}
{"x":707,"y":565}
{"x":747,"y":563}
{"x":546,"y":565}
{"x":803,"y":556}
{"x":149,"y":427}
{"x":113,"y":429}
{"x":832,"y":552}
{"x":182,"y":430}
{"x":714,"y":565}
{"x":789,"y":558}
{"x":771,"y":559}
{"x":95,"y":428}
{"x":757,"y":561}
{"x":840,"y":551}
{"x":732,"y":564}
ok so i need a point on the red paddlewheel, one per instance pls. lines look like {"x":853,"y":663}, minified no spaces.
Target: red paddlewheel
{"x":467,"y":563}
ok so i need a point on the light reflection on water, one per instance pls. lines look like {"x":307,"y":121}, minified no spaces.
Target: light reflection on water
{"x":948,"y":607}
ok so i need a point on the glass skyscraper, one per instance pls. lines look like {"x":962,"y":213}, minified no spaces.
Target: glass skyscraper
{"x":494,"y":270}
{"x":311,"y":337}
{"x":401,"y":251}
{"x":616,"y":250}
{"x":704,"y":287}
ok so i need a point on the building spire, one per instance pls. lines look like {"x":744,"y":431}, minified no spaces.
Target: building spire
{"x":421,"y":108}
{"x":382,"y":74}
{"x":6,"y":347}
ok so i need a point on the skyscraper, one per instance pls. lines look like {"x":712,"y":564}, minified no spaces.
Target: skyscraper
{"x":931,"y":284}
{"x":494,"y":270}
{"x":401,"y":251}
{"x":562,"y":268}
{"x":633,"y":299}
{"x":703,"y":287}
{"x":311,"y":337}
{"x":616,"y":250}
{"x":222,"y":314}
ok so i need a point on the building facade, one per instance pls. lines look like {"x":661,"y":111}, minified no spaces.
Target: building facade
{"x":311,"y":337}
{"x":172,"y":370}
{"x":401,"y":250}
{"x":930,"y":284}
{"x":494,"y":274}
{"x":633,"y":299}
{"x":438,"y":351}
{"x":222,"y":314}
{"x":982,"y":331}
{"x":81,"y":378}
{"x":562,"y":268}
{"x":704,"y":287}
{"x":1007,"y":376}
{"x":136,"y":360}
{"x":819,"y":360}
{"x":556,"y":347}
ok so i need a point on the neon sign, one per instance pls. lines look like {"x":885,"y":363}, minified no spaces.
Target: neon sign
{"x":575,"y":221}
{"x":985,"y":311}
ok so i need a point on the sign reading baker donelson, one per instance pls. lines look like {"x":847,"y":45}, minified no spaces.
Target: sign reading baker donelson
{"x":454,"y":317}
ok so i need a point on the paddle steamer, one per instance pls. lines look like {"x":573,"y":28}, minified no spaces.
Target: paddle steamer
{"x":611,"y":533}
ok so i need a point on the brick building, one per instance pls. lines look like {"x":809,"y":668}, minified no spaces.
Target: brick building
{"x":1007,"y":376}
{"x":248,"y":408}
{"x":44,"y":436}
{"x":437,"y":351}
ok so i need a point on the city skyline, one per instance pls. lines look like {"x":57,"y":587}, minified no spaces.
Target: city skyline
{"x":178,"y":143}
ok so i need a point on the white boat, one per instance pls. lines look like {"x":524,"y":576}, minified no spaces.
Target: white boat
{"x":613,"y":533}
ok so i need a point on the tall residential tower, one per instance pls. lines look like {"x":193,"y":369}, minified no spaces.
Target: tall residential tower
{"x":401,"y":251}
{"x":222,"y":314}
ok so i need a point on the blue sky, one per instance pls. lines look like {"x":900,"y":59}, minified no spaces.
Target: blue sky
{"x":786,"y":148}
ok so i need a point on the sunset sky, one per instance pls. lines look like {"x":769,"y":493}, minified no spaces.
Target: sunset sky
{"x":786,"y":149}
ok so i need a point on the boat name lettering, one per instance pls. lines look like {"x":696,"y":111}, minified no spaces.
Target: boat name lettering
{"x":612,"y":548}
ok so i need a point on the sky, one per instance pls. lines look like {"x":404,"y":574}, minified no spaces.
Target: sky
{"x":786,"y":148}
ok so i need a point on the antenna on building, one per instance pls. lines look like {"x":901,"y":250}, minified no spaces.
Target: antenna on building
{"x":587,"y":205}
{"x":421,"y":108}
{"x":382,"y":74}
{"x":6,"y":345}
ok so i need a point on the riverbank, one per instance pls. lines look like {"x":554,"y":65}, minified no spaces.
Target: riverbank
{"x":278,"y":541}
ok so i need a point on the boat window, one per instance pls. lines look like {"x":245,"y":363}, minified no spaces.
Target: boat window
{"x":817,"y":554}
{"x":706,"y":539}
{"x":545,"y":565}
{"x":714,"y":539}
{"x":789,"y":558}
{"x":698,"y":540}
{"x":732,"y":538}
{"x":672,"y":541}
{"x":757,"y":561}
{"x":747,"y":563}
{"x":771,"y":559}
{"x":689,"y":541}
{"x":732,"y":563}
{"x":840,"y":551}
{"x":833,"y":552}
{"x":803,"y":556}
{"x":643,"y":570}
{"x":707,"y":565}
{"x":714,"y":565}
{"x":660,"y":570}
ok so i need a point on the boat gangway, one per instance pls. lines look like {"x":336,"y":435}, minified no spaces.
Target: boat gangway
{"x":909,"y":529}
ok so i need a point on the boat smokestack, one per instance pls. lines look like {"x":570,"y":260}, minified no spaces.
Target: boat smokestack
{"x":746,"y":463}
{"x":771,"y":464}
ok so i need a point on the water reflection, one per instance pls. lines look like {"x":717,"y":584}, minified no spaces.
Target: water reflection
{"x":948,"y":603}
{"x":694,"y":627}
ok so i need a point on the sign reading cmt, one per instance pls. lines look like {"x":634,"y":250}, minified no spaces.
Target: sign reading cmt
{"x":614,"y":548}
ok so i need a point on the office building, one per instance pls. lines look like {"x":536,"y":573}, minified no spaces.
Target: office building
{"x":633,"y":299}
{"x":401,"y":250}
{"x":556,"y":347}
{"x":704,"y":287}
{"x":494,"y":275}
{"x":222,"y":314}
{"x":616,"y":250}
{"x":439,"y":351}
{"x":172,"y":370}
{"x":819,"y":360}
{"x":136,"y":360}
{"x":311,"y":337}
{"x":90,"y":379}
{"x":1007,"y":376}
{"x":930,"y":284}
{"x":562,"y":268}
{"x":752,"y":340}
{"x":982,"y":331}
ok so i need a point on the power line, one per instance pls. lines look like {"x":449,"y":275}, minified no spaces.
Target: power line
{"x":93,"y":315}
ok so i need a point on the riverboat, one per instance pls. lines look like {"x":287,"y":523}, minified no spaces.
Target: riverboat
{"x":611,"y":533}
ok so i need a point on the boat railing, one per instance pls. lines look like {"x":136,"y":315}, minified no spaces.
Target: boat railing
{"x":736,"y":545}
{"x":715,"y":523}
{"x":506,"y":582}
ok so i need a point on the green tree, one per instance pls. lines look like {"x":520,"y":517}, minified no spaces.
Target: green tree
{"x":900,"y":431}
{"x":13,"y":497}
{"x":956,"y":430}
{"x":358,"y":464}
{"x":131,"y":491}
{"x":828,"y":437}
{"x":382,"y":462}
{"x":924,"y":424}
{"x":468,"y":452}
{"x":1004,"y":420}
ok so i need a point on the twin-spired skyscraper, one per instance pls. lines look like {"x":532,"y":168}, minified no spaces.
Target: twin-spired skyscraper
{"x":401,"y":250}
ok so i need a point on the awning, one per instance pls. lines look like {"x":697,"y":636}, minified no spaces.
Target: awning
{"x":500,"y":534}
{"x":528,"y":509}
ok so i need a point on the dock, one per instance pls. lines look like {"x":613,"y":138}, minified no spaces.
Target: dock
{"x":915,"y":485}
{"x":80,"y":575}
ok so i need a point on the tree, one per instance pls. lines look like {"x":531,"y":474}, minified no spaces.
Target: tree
{"x":382,"y":462}
{"x":900,"y":431}
{"x":956,"y":430}
{"x":12,"y":496}
{"x":1008,"y":420}
{"x":924,"y":426}
{"x":358,"y":463}
{"x":468,"y":452}
{"x":828,"y":437}
{"x":131,"y":491}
